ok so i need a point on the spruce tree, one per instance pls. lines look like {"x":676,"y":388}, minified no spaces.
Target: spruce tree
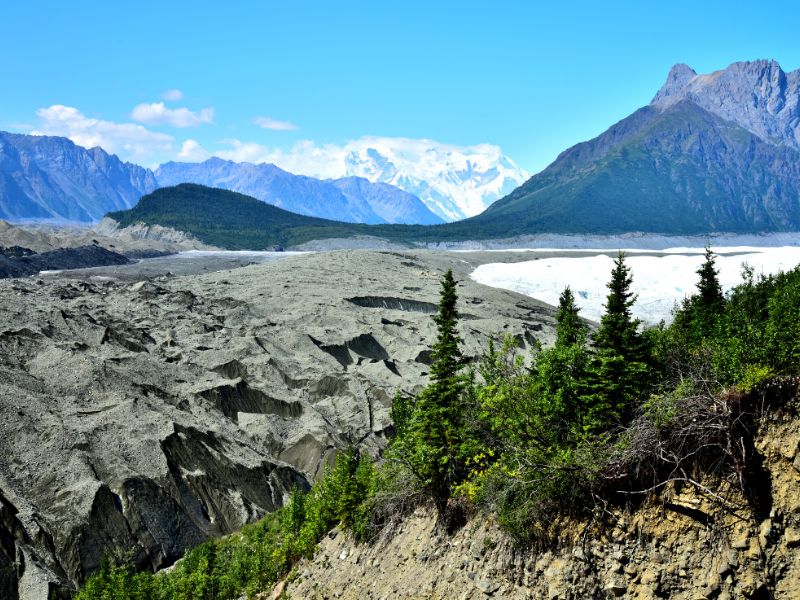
{"x":709,"y":290}
{"x":446,"y":352}
{"x":431,"y":442}
{"x":620,"y":365}
{"x":570,"y":328}
{"x":697,"y":316}
{"x":710,"y":302}
{"x":563,"y":370}
{"x":618,"y":330}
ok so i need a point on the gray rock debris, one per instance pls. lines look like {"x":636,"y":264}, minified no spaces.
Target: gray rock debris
{"x":140,"y":419}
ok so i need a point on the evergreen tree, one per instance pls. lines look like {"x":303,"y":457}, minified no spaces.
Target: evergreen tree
{"x":431,"y":442}
{"x":620,"y":364}
{"x":570,"y":328}
{"x":695,"y":320}
{"x":561,"y":371}
{"x":618,"y":330}
{"x":446,"y":352}
{"x":708,"y":304}
{"x":709,"y":290}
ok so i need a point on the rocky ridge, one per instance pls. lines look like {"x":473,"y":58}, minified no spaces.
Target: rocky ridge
{"x":133,"y":241}
{"x":51,"y":178}
{"x":756,"y":95}
{"x":139,"y":418}
{"x":20,"y":262}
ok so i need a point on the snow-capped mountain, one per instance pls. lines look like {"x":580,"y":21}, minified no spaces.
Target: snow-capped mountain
{"x":453,"y":181}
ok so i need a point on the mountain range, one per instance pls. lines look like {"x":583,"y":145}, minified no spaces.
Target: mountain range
{"x":351,"y":199}
{"x":377,"y":180}
{"x":710,"y":154}
{"x":54,"y":179}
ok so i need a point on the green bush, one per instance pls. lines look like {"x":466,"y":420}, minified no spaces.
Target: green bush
{"x":252,"y":560}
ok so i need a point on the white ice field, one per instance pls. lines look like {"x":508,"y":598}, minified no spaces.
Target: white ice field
{"x":660,"y":279}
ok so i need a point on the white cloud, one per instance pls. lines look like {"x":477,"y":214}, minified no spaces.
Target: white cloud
{"x":172,"y":95}
{"x":274,"y":124}
{"x":156,"y":113}
{"x":128,"y":140}
{"x":192,"y":151}
{"x":304,"y":158}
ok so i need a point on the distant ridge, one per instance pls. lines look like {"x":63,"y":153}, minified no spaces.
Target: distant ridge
{"x":52,"y":179}
{"x":43,"y":177}
{"x":353,"y":200}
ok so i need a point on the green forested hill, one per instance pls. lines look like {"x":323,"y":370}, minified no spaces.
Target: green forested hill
{"x":229,"y":219}
{"x":238,"y":222}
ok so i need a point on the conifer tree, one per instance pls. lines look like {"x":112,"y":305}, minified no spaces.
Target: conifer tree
{"x":432,"y":439}
{"x":620,"y":364}
{"x":570,"y":328}
{"x":618,"y":330}
{"x":709,"y":290}
{"x":696,"y":318}
{"x":563,"y":369}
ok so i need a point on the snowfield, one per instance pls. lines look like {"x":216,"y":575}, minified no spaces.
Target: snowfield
{"x":659,"y":278}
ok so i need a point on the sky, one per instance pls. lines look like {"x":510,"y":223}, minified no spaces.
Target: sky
{"x":158,"y":81}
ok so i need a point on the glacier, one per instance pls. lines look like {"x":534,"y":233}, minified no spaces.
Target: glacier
{"x":660,"y":278}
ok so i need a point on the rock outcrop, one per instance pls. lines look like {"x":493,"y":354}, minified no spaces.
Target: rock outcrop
{"x":686,"y":548}
{"x":135,"y":241}
{"x":758,"y":96}
{"x":141,"y":418}
{"x":20,"y":262}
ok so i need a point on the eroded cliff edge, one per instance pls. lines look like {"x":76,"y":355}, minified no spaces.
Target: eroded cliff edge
{"x":685,"y":545}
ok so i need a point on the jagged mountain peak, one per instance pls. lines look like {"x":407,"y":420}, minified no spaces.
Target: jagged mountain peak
{"x":756,"y":95}
{"x":52,"y":178}
{"x":679,"y":75}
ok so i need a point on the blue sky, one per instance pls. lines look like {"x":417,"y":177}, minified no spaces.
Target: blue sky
{"x":257,"y":78}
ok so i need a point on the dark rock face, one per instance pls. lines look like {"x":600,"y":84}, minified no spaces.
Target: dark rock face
{"x":20,"y":262}
{"x":44,"y":177}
